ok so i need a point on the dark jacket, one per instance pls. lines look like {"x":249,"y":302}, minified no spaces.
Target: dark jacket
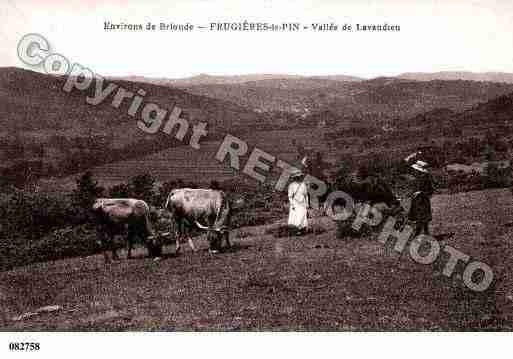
{"x":426,"y":184}
{"x":420,"y":210}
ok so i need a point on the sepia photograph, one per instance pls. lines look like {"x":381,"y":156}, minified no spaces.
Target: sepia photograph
{"x":265,"y":166}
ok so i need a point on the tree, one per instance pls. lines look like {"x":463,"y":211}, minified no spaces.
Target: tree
{"x":141,"y":187}
{"x":163,"y":191}
{"x":87,"y":190}
{"x":215,"y":185}
{"x":496,"y":177}
{"x":121,"y":190}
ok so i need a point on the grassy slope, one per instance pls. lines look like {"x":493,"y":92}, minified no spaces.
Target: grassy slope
{"x":316,"y":282}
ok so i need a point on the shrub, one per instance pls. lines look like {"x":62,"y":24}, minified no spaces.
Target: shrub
{"x":121,"y":190}
{"x":70,"y":241}
{"x":87,"y":190}
{"x":33,"y":214}
{"x":496,"y":177}
{"x":141,"y":187}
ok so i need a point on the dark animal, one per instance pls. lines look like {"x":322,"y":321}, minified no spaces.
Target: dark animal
{"x":369,"y":189}
{"x":120,"y":216}
{"x":206,"y":209}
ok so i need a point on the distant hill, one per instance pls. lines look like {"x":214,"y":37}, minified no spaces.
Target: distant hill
{"x":337,"y":78}
{"x":432,"y":117}
{"x":496,"y":112}
{"x":377,"y":99}
{"x":493,"y":118}
{"x":35,"y":101}
{"x":43,"y":123}
{"x":205,"y":79}
{"x":303,"y":83}
{"x":460,"y":75}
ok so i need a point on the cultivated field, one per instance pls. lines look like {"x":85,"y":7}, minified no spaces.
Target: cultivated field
{"x":316,"y":282}
{"x":200,"y":166}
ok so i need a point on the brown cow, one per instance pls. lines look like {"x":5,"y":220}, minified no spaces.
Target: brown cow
{"x":116,"y":216}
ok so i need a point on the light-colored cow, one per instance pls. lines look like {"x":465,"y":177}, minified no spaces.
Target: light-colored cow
{"x":207,"y":209}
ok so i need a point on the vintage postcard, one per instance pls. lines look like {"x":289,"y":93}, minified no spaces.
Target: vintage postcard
{"x":256,"y":166}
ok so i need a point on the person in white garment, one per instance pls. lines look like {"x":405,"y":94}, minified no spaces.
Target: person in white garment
{"x":298,"y":199}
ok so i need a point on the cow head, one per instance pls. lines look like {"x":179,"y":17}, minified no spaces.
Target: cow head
{"x":161,"y":219}
{"x":238,"y":203}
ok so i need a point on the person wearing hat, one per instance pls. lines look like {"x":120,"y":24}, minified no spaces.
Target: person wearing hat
{"x":298,"y":199}
{"x":420,"y":211}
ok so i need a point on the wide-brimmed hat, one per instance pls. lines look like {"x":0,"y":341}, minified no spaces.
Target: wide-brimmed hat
{"x":420,"y":166}
{"x":296,"y":174}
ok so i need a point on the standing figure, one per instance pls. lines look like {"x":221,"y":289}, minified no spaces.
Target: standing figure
{"x":420,"y":211}
{"x":298,"y":199}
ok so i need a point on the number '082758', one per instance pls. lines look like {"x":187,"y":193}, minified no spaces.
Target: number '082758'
{"x":24,"y":346}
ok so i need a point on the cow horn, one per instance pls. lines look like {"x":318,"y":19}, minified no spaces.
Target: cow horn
{"x":160,"y":234}
{"x":206,"y":228}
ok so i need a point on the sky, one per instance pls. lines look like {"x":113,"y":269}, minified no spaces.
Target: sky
{"x":450,"y":35}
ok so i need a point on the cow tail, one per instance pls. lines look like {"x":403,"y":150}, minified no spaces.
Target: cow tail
{"x":219,"y":208}
{"x":147,"y":222}
{"x":223,"y":208}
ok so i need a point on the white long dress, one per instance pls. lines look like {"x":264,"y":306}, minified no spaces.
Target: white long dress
{"x":298,"y":198}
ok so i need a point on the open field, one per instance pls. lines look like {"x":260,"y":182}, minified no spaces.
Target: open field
{"x":316,"y":282}
{"x":200,"y":166}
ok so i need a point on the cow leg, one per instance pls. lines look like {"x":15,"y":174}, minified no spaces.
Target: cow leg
{"x":157,"y":245}
{"x":191,"y":244}
{"x":112,"y":246}
{"x":179,"y":232}
{"x":114,"y":252}
{"x":130,"y":243}
{"x":156,"y":249}
{"x":418,"y":229}
{"x":106,"y":248}
{"x":215,"y":242}
{"x":100,"y":233}
{"x":227,"y":239}
{"x":426,"y":227}
{"x":129,"y":250}
{"x":177,"y":246}
{"x":421,"y":228}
